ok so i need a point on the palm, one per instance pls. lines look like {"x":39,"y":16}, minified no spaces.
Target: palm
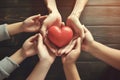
{"x":75,"y":24}
{"x":44,"y":53}
{"x":52,"y":19}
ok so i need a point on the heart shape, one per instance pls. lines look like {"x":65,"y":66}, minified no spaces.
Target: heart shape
{"x":60,"y":36}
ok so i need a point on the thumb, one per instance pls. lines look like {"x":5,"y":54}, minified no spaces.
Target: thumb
{"x":33,"y":38}
{"x":35,"y":16}
{"x":40,"y":39}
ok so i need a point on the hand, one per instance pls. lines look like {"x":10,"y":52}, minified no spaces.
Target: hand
{"x":53,"y":18}
{"x":88,"y":39}
{"x":73,"y":55}
{"x":29,"y":47}
{"x":74,"y":23}
{"x":33,"y":23}
{"x":43,"y":53}
{"x":65,"y":50}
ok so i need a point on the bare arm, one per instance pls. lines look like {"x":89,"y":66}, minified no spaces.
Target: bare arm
{"x":51,"y":4}
{"x":45,"y":61}
{"x":14,"y":28}
{"x":107,"y":54}
{"x":40,"y":71}
{"x":31,"y":24}
{"x":71,"y":72}
{"x":17,"y":57}
{"x":69,"y":62}
{"x":78,"y":8}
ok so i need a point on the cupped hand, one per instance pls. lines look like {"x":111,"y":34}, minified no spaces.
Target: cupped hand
{"x":29,"y":47}
{"x":33,"y":23}
{"x":43,"y":53}
{"x":88,"y":39}
{"x":73,"y":55}
{"x":74,"y":23}
{"x":53,"y":18}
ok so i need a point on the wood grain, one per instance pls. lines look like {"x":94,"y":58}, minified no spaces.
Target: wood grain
{"x":101,"y":17}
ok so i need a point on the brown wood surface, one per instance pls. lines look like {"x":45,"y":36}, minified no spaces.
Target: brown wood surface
{"x":101,"y":17}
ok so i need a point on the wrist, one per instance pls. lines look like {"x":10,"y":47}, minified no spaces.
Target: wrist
{"x":68,"y":64}
{"x":46,"y":61}
{"x":18,"y":57}
{"x":51,"y":4}
{"x":21,"y":28}
{"x":77,"y":14}
{"x":90,"y":46}
{"x":14,"y":28}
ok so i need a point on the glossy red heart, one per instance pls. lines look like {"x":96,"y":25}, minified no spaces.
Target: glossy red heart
{"x":60,"y":36}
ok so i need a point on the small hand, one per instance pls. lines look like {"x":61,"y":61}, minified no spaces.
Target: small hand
{"x":29,"y":47}
{"x":33,"y":23}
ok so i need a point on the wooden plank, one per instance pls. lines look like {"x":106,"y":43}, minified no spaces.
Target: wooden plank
{"x":88,"y":71}
{"x":90,"y":16}
{"x":60,"y":3}
{"x":84,"y":56}
{"x":101,"y":16}
{"x":96,"y":15}
{"x":102,"y":34}
{"x":22,"y":3}
{"x":71,"y":3}
{"x":97,"y":71}
{"x":106,"y":34}
{"x":104,"y":2}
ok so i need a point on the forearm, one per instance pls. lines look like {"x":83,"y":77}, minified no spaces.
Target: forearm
{"x":107,"y":54}
{"x":14,"y":28}
{"x":40,"y":71}
{"x":51,"y":4}
{"x":71,"y":72}
{"x":17,"y":57}
{"x":78,"y":8}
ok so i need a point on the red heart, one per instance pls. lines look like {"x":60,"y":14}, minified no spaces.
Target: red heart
{"x":60,"y":36}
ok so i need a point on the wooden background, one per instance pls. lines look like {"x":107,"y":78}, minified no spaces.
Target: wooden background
{"x":102,"y":17}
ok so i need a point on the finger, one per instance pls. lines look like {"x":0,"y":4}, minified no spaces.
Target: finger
{"x":33,"y":38}
{"x":78,"y":45}
{"x":42,"y":18}
{"x":57,"y":22}
{"x":63,"y":50}
{"x":53,"y":50}
{"x":62,"y":24}
{"x":35,"y":16}
{"x":43,"y":31}
{"x":40,"y":39}
{"x":70,"y":47}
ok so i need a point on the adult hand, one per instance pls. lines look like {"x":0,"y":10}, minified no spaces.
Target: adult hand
{"x":74,"y":54}
{"x":53,"y":18}
{"x":33,"y":23}
{"x":74,"y":23}
{"x":88,"y":39}
{"x":43,"y":53}
{"x":29,"y":47}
